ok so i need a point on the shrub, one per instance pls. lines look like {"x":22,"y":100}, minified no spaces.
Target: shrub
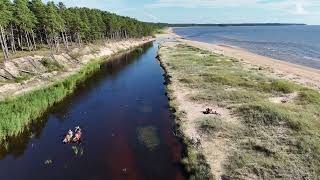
{"x":195,"y":163}
{"x":307,"y":96}
{"x":268,"y":115}
{"x":51,"y":65}
{"x":278,"y":86}
{"x":210,"y":124}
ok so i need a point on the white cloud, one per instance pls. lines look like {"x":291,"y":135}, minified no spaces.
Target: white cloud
{"x":197,"y":3}
{"x":300,"y":10}
{"x":296,"y":7}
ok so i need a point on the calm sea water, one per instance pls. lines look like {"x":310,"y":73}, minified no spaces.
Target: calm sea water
{"x":295,"y":44}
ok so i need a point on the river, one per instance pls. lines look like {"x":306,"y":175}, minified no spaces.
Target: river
{"x":127,"y":129}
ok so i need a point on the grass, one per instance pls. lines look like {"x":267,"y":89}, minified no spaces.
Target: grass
{"x":17,"y":112}
{"x":194,"y":162}
{"x":277,"y":140}
{"x":40,"y":51}
{"x":210,"y":124}
{"x":51,"y":65}
{"x":21,"y":78}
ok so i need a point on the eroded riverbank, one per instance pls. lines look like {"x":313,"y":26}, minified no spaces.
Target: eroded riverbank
{"x":28,"y":73}
{"x":123,"y":111}
{"x":50,"y":83}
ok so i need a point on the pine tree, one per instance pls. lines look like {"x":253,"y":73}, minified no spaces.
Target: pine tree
{"x":75,"y":25}
{"x":39,"y":10}
{"x":5,"y":18}
{"x":26,"y":21}
{"x":65,"y":15}
{"x":54,"y":24}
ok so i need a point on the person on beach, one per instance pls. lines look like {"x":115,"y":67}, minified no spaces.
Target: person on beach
{"x":68,"y":137}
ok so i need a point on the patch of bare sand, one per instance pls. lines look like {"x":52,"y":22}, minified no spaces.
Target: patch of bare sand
{"x":284,"y":99}
{"x":215,"y":148}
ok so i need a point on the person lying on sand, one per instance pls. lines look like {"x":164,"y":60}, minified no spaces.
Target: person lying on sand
{"x":68,"y":137}
{"x":210,"y":111}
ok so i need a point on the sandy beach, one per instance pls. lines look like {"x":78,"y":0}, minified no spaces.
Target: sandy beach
{"x":191,"y":92}
{"x":300,"y":74}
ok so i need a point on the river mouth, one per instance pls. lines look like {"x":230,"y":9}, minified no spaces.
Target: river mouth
{"x":126,"y":122}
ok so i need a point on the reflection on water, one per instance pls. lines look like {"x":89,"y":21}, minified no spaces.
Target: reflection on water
{"x":123,"y":111}
{"x":16,"y":145}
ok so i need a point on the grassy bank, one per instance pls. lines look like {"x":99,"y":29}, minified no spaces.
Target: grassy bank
{"x":278,"y":135}
{"x":194,"y":162}
{"x":17,"y":112}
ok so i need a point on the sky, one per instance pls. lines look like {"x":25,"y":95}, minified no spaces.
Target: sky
{"x":210,"y":11}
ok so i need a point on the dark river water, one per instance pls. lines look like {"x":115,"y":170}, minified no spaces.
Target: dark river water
{"x":295,"y":44}
{"x":127,"y":129}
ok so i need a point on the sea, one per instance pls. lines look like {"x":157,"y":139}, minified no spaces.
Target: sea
{"x":298,"y":44}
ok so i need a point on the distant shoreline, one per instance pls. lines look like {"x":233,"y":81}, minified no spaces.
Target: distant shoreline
{"x":240,"y":24}
{"x":298,"y":73}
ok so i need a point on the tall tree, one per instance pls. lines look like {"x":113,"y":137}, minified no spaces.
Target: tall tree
{"x":75,"y":25}
{"x":54,"y":24}
{"x":26,"y":21}
{"x":29,"y":23}
{"x":39,"y":10}
{"x":5,"y":18}
{"x":65,"y":15}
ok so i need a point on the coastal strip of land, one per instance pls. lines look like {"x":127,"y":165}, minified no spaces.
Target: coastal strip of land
{"x":32,"y":84}
{"x":301,"y":74}
{"x":242,"y":119}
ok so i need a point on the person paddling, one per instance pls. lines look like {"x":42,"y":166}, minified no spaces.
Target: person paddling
{"x":68,"y":137}
{"x":77,"y":136}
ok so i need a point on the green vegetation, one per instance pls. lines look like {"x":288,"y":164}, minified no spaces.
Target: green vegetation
{"x":17,"y":112}
{"x":148,"y":136}
{"x":51,"y":64}
{"x":210,"y":124}
{"x":30,"y":25}
{"x":275,"y":139}
{"x":194,"y":162}
{"x":21,"y":78}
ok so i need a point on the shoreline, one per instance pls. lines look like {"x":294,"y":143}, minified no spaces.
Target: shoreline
{"x":40,"y":77}
{"x":256,"y":113}
{"x":17,"y":111}
{"x":300,"y":74}
{"x":195,"y":168}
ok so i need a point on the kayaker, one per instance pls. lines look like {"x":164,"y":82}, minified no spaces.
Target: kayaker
{"x":78,"y":133}
{"x":68,"y":137}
